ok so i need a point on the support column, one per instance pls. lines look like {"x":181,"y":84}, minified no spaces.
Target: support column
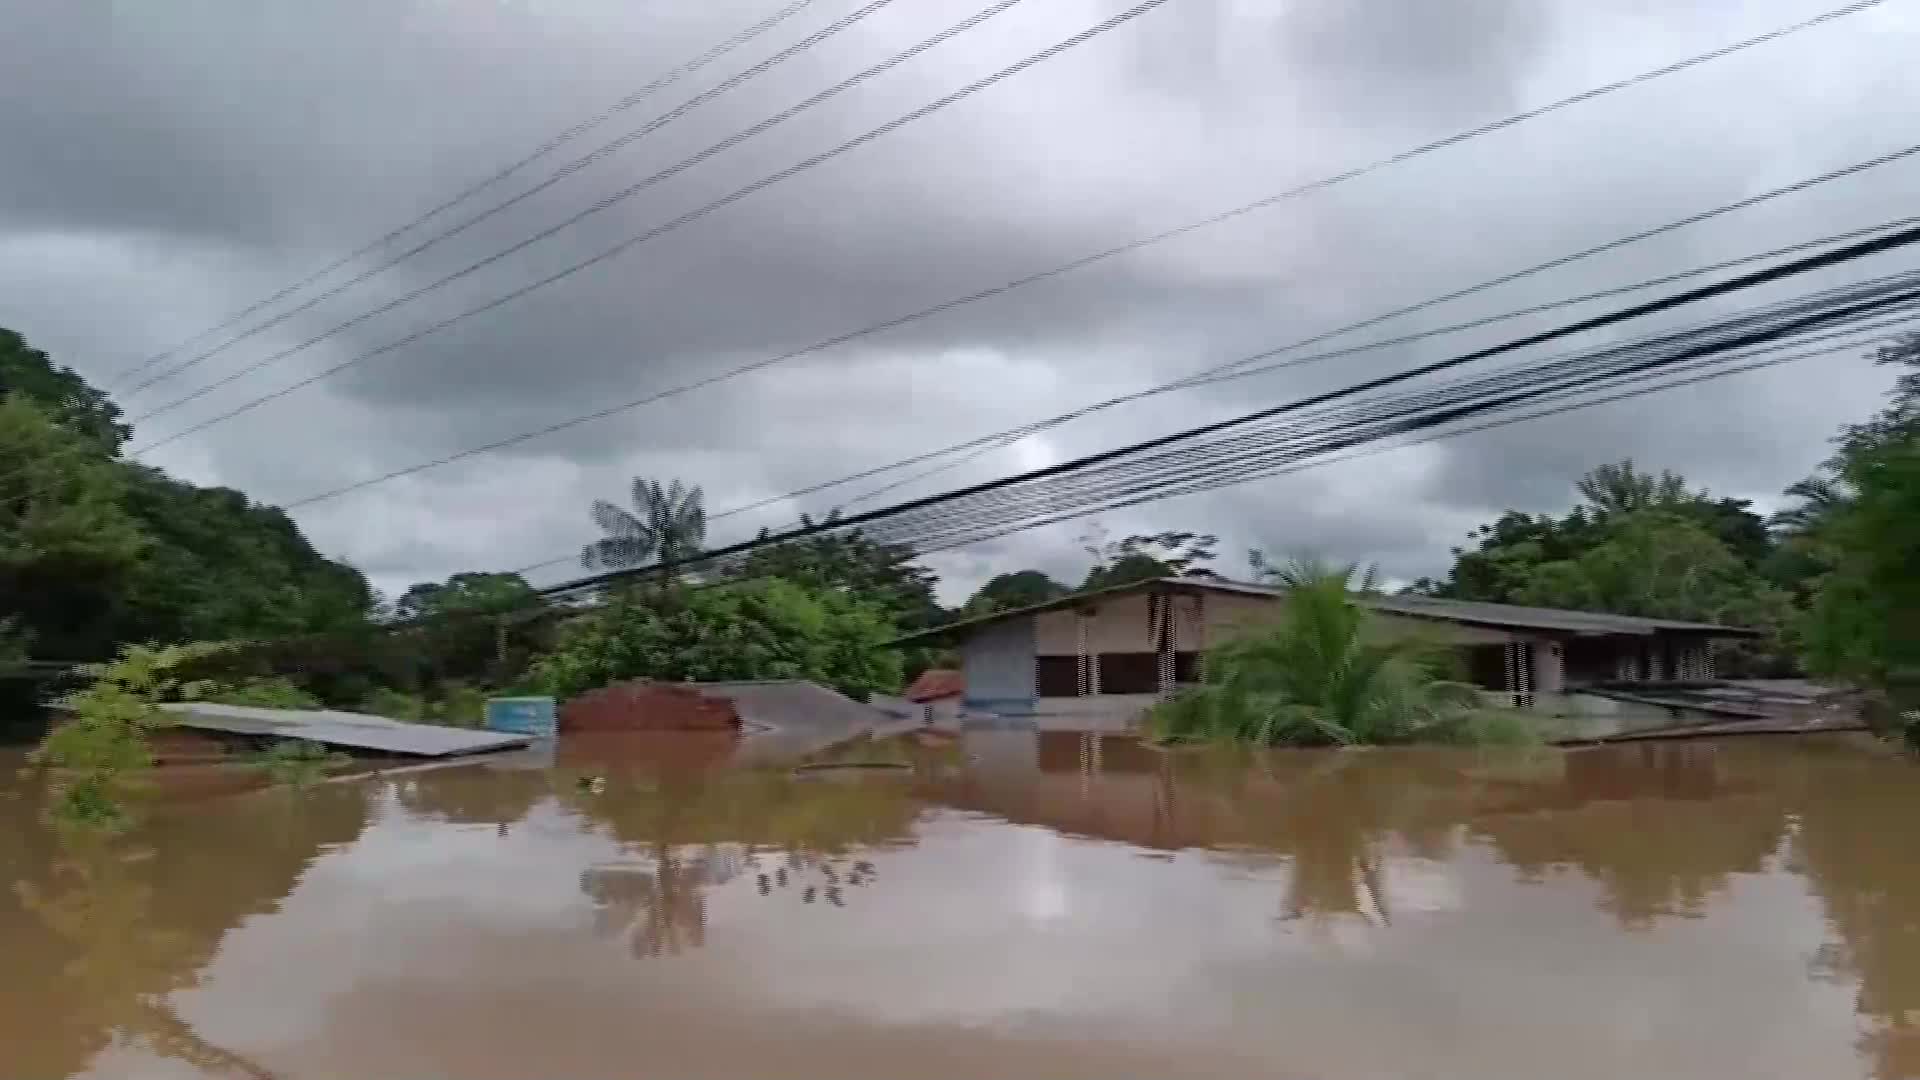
{"x":1200,"y":637}
{"x":1167,"y":640}
{"x":1549,"y":667}
{"x":1519,"y":681}
{"x":1086,"y":665}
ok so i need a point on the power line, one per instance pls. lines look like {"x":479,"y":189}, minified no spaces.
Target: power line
{"x":1370,"y":451}
{"x":1753,"y":279}
{"x":973,"y":449}
{"x":604,"y":204}
{"x":1183,"y":230}
{"x":693,"y":215}
{"x":1237,"y":369}
{"x":545,"y":148}
{"x":569,"y":169}
{"x":1243,"y":454}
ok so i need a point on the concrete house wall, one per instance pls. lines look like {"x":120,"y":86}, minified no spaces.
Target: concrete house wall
{"x":997,"y":661}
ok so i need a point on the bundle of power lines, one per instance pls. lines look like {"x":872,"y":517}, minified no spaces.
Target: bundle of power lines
{"x":1359,"y":418}
{"x":1283,"y":437}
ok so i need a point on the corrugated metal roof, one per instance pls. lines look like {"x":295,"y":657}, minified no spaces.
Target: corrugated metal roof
{"x":796,"y":716}
{"x":1464,"y":611}
{"x":1591,"y":622}
{"x":346,"y":730}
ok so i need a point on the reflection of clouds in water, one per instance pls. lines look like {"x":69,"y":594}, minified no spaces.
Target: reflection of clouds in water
{"x":1423,"y":885}
{"x":1042,"y":886}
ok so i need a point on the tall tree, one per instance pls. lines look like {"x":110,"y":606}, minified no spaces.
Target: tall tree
{"x":760,"y":629}
{"x":1866,"y":609}
{"x":1144,"y":556}
{"x":1619,"y":488}
{"x":881,"y":574}
{"x":67,"y":542}
{"x":667,"y":524}
{"x":64,"y":396}
{"x":1007,"y":592}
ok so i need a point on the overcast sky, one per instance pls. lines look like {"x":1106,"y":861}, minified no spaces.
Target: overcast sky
{"x":165,"y":165}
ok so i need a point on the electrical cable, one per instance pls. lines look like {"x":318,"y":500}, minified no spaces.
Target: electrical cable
{"x":690,"y":216}
{"x":1184,"y":230}
{"x":569,"y":169}
{"x":1806,"y":264}
{"x":552,"y":144}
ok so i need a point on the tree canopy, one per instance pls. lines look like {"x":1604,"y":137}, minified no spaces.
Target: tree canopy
{"x":1861,"y":517}
{"x":1144,"y":556}
{"x":1638,"y":544}
{"x":97,"y":551}
{"x":1008,"y":592}
{"x":766,"y":628}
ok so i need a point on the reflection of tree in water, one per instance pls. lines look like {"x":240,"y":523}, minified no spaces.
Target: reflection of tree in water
{"x":1657,"y":826}
{"x":1332,"y":817}
{"x":108,"y":929}
{"x":1855,"y":846}
{"x":693,"y":832}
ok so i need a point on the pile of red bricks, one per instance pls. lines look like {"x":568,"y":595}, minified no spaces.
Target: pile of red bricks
{"x":647,"y":706}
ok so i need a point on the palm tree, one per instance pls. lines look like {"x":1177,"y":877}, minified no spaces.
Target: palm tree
{"x":1615,"y":489}
{"x":667,"y":525}
{"x":1821,"y":497}
{"x":1320,"y":674}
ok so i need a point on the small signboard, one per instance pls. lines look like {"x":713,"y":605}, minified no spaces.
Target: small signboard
{"x":534,"y":716}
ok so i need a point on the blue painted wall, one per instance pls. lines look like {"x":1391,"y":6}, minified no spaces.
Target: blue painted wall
{"x":998,"y":665}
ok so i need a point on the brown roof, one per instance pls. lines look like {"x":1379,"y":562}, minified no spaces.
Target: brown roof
{"x":936,"y":683}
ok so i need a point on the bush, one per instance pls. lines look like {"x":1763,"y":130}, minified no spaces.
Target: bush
{"x":297,"y":762}
{"x":394,"y":705}
{"x":266,"y":693}
{"x":1324,"y":674}
{"x":451,"y":705}
{"x":103,"y":741}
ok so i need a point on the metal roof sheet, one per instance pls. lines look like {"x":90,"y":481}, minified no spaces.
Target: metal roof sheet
{"x":346,"y":730}
{"x":1431,"y":607}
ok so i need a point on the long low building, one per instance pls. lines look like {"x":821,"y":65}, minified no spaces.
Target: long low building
{"x":1114,"y":651}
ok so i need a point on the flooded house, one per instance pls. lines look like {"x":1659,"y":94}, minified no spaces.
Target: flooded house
{"x":1106,"y":655}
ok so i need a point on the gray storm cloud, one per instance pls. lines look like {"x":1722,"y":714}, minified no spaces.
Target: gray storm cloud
{"x":167,"y":168}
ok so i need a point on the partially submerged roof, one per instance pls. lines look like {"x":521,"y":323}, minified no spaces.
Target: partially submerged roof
{"x":789,"y":717}
{"x":935,"y":684}
{"x":343,"y":730}
{"x":1474,"y":612}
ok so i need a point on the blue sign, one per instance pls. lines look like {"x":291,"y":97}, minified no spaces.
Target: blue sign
{"x":523,"y":716}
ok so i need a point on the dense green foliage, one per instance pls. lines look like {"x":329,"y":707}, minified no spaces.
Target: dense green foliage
{"x":1009,"y":592}
{"x":1861,"y":527}
{"x":102,"y":743}
{"x":1324,"y":672}
{"x":97,"y":551}
{"x":884,"y":575}
{"x":1640,"y":544}
{"x":28,"y":374}
{"x":761,"y":629}
{"x":1145,"y":556}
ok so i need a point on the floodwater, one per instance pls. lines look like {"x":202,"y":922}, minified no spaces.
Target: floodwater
{"x":1011,"y":904}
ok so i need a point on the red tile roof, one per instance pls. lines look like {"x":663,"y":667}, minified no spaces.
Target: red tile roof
{"x":936,"y":683}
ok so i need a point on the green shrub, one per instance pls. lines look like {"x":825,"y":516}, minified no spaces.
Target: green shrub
{"x":266,"y":693}
{"x":298,"y":762}
{"x":1323,"y":673}
{"x":394,"y":705}
{"x":102,"y":742}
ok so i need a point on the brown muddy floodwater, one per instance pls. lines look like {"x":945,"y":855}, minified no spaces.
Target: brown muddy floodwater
{"x":1047,"y":905}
